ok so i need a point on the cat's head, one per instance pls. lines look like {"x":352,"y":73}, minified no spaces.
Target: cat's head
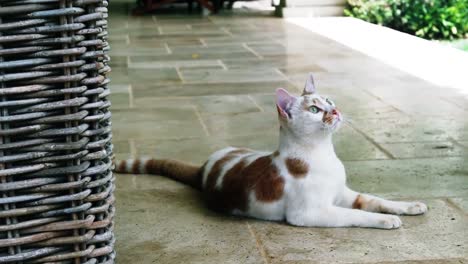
{"x":308,"y":114}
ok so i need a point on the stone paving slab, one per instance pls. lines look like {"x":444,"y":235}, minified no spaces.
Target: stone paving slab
{"x":175,"y":64}
{"x":157,"y":123}
{"x":425,"y":149}
{"x":429,"y":177}
{"x":121,"y":75}
{"x":171,"y":237}
{"x":202,"y":89}
{"x":402,"y":128}
{"x":216,"y":76}
{"x":460,"y":202}
{"x":430,"y":237}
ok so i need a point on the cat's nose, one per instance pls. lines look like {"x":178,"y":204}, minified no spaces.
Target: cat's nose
{"x":334,"y":112}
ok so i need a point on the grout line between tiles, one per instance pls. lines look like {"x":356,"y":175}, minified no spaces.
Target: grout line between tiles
{"x":128,"y":62}
{"x":255,"y":103}
{"x":404,"y":158}
{"x":220,"y":62}
{"x":226,"y":31}
{"x":133,"y":150}
{"x":130,"y":97}
{"x":127,"y":39}
{"x":259,"y":243}
{"x":203,"y":42}
{"x":422,"y":198}
{"x":251,"y":50}
{"x":205,"y":128}
{"x":377,"y":145}
{"x":450,"y":101}
{"x":180,"y":74}
{"x":455,"y":142}
{"x":287,"y":79}
{"x":279,"y":42}
{"x":381,"y":100}
{"x":454,"y":206}
{"x":169,"y":51}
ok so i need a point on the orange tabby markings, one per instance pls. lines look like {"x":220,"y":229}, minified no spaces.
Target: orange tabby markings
{"x":136,"y":166}
{"x":297,"y":167}
{"x":122,"y":166}
{"x":264,"y":177}
{"x":179,"y":171}
{"x":370,"y":204}
{"x":327,"y":118}
{"x":234,"y":188}
{"x":359,"y":202}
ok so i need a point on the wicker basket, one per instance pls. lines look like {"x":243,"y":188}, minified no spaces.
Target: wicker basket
{"x":56,"y":184}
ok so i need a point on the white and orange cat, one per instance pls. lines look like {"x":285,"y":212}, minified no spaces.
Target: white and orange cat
{"x":303,"y":182}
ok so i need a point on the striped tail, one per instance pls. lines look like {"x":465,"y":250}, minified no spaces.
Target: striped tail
{"x":183,"y":172}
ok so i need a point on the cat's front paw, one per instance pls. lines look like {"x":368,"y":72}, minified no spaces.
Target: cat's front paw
{"x":416,"y":208}
{"x":390,"y":222}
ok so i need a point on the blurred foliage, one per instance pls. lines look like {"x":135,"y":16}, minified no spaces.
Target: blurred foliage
{"x":429,"y":19}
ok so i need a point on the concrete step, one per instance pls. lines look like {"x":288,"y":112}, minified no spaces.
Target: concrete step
{"x":318,"y":11}
{"x":297,"y":3}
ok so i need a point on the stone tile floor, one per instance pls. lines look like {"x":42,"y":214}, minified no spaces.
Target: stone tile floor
{"x":184,"y":86}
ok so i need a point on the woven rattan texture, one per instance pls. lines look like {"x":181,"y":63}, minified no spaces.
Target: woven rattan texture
{"x":56,"y":184}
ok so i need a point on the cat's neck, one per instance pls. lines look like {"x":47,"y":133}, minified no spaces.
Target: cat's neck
{"x":306,"y":146}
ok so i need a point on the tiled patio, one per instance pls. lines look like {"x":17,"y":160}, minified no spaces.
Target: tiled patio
{"x":184,"y":86}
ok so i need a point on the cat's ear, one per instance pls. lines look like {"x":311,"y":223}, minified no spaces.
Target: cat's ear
{"x":284,"y":102}
{"x":309,"y":87}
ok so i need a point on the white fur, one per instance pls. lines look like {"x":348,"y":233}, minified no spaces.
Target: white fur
{"x":321,"y":198}
{"x":211,"y":162}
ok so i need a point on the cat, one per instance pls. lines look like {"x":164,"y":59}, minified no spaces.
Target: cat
{"x":302,"y":183}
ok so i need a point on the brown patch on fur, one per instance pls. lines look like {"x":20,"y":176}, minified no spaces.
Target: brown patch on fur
{"x":122,"y":166}
{"x":233,"y":194}
{"x":297,"y":167}
{"x":276,"y":153}
{"x":218,"y":166}
{"x":265,"y":179}
{"x":150,"y":166}
{"x":260,"y":176}
{"x":359,"y":202}
{"x":370,"y":205}
{"x":327,"y":118}
{"x":136,"y":166}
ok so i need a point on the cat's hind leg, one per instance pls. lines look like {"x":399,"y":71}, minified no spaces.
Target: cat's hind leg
{"x":334,"y":216}
{"x":370,"y":203}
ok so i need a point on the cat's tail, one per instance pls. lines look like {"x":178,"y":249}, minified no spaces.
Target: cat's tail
{"x":180,"y":171}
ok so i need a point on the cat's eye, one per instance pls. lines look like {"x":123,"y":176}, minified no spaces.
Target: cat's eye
{"x":329,"y":101}
{"x":314,"y":109}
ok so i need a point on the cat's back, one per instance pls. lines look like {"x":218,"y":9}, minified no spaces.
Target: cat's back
{"x":232,"y":177}
{"x":222,"y":161}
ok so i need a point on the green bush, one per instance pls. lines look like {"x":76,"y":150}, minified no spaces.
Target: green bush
{"x":429,"y":19}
